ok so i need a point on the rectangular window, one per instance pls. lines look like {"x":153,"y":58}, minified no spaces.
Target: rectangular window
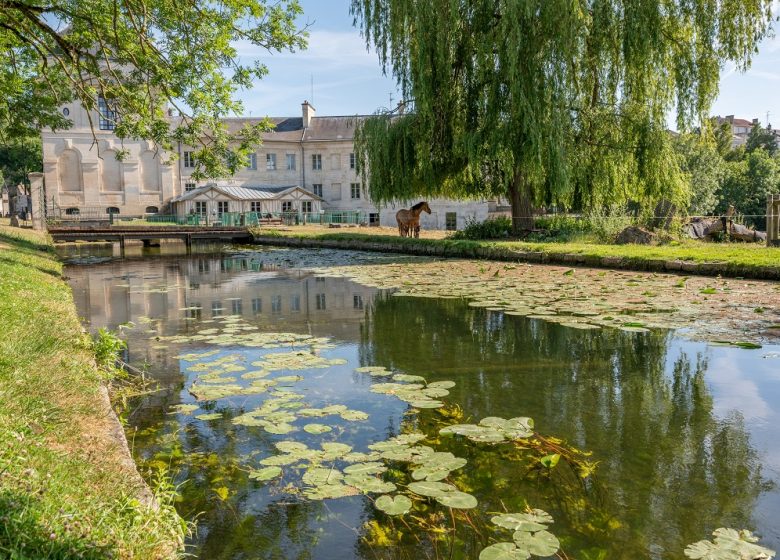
{"x":357,"y":301}
{"x":189,"y":187}
{"x":189,"y":159}
{"x":451,"y":221}
{"x":354,"y":191}
{"x":270,"y":162}
{"x":251,"y":162}
{"x":295,"y":303}
{"x":222,"y":207}
{"x":216,"y":309}
{"x":276,"y":304}
{"x":200,"y":208}
{"x":335,"y":161}
{"x":306,"y":206}
{"x":287,"y":206}
{"x":106,"y":114}
{"x":290,"y":162}
{"x":373,"y":218}
{"x":320,"y":302}
{"x":255,"y":206}
{"x":195,"y":311}
{"x":237,"y":306}
{"x":316,"y":162}
{"x":352,"y":161}
{"x":335,"y":191}
{"x":257,"y":305}
{"x":317,"y":189}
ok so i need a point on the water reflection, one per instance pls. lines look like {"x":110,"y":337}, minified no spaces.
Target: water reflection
{"x":677,"y":451}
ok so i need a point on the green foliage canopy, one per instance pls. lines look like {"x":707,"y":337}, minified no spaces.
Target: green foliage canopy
{"x":545,"y":100}
{"x":143,"y":56}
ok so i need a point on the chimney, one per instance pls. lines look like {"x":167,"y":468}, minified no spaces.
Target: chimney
{"x":308,"y":113}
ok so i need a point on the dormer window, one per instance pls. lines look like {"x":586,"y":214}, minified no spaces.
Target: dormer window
{"x":107,"y":115}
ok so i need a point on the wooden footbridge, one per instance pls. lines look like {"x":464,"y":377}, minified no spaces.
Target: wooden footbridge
{"x":149,"y":234}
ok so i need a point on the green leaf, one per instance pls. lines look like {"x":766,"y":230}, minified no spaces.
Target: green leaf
{"x":534,"y":520}
{"x":503,"y":551}
{"x":541,"y":543}
{"x":316,"y":428}
{"x":459,"y":500}
{"x":550,"y":461}
{"x":397,"y":505}
{"x":265,"y":474}
{"x":729,"y":544}
{"x":431,"y":489}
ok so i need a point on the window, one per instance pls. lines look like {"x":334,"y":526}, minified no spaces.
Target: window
{"x":222,"y":207}
{"x":316,"y":162}
{"x":306,"y":206}
{"x":357,"y":301}
{"x":276,"y":304}
{"x":237,"y":306}
{"x":320,"y":302}
{"x":203,"y":266}
{"x":352,"y":161}
{"x":451,"y":221}
{"x":251,"y":162}
{"x":112,"y":210}
{"x":335,"y":161}
{"x":106,"y":114}
{"x":152,"y":210}
{"x":200,"y":208}
{"x":72,"y":212}
{"x":317,"y":189}
{"x":216,"y":309}
{"x":256,"y":206}
{"x":354,"y":191}
{"x":290,"y":162}
{"x":287,"y":206}
{"x":257,"y":305}
{"x":295,"y":303}
{"x":189,"y":159}
{"x":270,"y":162}
{"x":335,"y":191}
{"x":66,"y":111}
{"x":189,"y":187}
{"x":373,"y":218}
{"x":195,"y":311}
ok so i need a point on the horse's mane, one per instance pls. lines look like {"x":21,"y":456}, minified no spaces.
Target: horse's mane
{"x":419,"y":205}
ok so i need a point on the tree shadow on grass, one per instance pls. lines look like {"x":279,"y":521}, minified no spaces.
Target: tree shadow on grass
{"x":22,"y":243}
{"x":24,"y":535}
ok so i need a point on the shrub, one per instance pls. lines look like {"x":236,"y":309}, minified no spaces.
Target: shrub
{"x":494,"y":228}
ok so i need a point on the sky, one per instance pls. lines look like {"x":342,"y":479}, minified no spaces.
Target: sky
{"x":346,"y":79}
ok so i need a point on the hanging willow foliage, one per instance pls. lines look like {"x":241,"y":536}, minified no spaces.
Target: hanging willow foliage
{"x":545,"y":100}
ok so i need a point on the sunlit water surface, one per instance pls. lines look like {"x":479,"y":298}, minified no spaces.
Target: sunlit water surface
{"x":686,"y":435}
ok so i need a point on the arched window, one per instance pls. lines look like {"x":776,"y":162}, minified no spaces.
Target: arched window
{"x":152,"y":210}
{"x":72,"y":212}
{"x":112,"y":210}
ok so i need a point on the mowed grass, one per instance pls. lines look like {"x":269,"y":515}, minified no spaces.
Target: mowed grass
{"x":67,"y":489}
{"x":732,"y":255}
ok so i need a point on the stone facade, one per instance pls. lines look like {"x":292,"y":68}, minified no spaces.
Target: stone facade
{"x":83,"y":174}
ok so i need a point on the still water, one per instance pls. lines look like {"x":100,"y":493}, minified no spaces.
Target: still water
{"x":686,"y":436}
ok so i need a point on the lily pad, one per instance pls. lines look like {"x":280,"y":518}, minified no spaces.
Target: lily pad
{"x":265,"y":474}
{"x":459,"y":500}
{"x":394,"y":505}
{"x":541,"y":543}
{"x":502,"y":551}
{"x":317,"y":428}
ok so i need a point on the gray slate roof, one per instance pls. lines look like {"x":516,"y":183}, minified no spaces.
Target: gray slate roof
{"x":257,"y":192}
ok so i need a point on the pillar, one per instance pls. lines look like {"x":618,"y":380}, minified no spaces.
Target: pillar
{"x":37,"y":201}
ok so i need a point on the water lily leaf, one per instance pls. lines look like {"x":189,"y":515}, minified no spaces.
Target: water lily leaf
{"x":541,"y":543}
{"x":279,"y":460}
{"x":459,"y":500}
{"x":366,"y":483}
{"x":265,"y":474}
{"x":503,"y":551}
{"x":403,"y":377}
{"x":374,"y":467}
{"x":183,"y":408}
{"x":335,"y":448}
{"x":729,"y":544}
{"x":426,"y":403}
{"x":279,"y":429}
{"x":318,"y":476}
{"x":209,"y":416}
{"x":432,"y":489}
{"x":534,"y":520}
{"x":394,"y":505}
{"x":354,"y":415}
{"x":441,"y":385}
{"x":291,"y":446}
{"x":316,"y":428}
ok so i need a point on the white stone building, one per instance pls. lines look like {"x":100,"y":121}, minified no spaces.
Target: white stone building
{"x":316,"y":154}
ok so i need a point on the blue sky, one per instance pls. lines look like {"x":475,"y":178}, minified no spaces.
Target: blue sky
{"x":348,"y":79}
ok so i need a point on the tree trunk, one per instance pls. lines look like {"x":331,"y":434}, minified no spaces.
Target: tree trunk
{"x":521,"y":202}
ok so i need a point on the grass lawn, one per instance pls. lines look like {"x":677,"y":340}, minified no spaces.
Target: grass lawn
{"x":68,"y":488}
{"x":731,"y":255}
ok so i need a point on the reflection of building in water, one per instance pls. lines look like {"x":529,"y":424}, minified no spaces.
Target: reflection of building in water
{"x":180,"y":292}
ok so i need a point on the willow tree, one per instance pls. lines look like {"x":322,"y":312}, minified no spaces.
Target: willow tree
{"x":544,"y":100}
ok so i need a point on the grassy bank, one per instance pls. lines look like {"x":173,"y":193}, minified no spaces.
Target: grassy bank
{"x":691,"y":257}
{"x":68,"y":486}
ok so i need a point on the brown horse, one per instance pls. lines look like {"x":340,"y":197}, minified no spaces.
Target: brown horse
{"x":409,"y":220}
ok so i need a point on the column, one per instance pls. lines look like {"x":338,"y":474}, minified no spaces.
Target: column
{"x":37,"y":201}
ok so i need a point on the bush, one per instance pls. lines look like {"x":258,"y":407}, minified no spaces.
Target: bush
{"x":494,"y":228}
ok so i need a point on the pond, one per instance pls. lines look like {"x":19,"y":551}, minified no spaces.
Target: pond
{"x":288,"y":403}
